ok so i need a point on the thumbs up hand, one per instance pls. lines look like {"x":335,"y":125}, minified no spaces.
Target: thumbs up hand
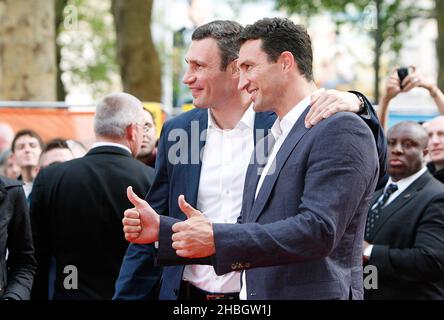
{"x":187,"y":208}
{"x":193,"y":238}
{"x":141,"y":223}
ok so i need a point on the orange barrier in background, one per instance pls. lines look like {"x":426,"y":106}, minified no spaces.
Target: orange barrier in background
{"x":52,"y":122}
{"x":76,"y":123}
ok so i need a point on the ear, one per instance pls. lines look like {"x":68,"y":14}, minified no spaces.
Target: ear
{"x":286,"y":59}
{"x":234,"y":69}
{"x":131,"y":132}
{"x":425,"y":152}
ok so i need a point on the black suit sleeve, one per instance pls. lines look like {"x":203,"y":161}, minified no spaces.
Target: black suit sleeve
{"x":166,"y":254}
{"x":21,"y":261}
{"x":371,"y":119}
{"x":40,"y":234}
{"x":138,"y":278}
{"x":424,"y":260}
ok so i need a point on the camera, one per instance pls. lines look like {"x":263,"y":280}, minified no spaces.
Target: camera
{"x":402,"y":73}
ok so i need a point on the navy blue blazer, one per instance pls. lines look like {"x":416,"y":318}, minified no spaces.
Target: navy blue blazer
{"x":136,"y":280}
{"x":301,"y":237}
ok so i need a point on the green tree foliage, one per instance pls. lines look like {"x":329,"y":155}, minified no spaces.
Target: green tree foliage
{"x":386,"y":21}
{"x":87,"y":43}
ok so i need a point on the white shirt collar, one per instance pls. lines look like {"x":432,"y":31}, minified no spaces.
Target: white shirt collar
{"x":283,"y":127}
{"x":247,"y":120}
{"x":406,"y":182}
{"x":110,"y":144}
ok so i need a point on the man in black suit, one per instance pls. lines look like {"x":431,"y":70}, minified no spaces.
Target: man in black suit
{"x":77,"y":206}
{"x":404,"y":235}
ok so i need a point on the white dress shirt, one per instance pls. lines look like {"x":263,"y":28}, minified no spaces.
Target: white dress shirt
{"x":110,"y":144}
{"x":280,"y":131}
{"x":402,"y":185}
{"x":225,"y":160}
{"x":27,"y":187}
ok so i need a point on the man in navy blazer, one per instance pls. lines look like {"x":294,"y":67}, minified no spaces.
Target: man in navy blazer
{"x":173,"y":179}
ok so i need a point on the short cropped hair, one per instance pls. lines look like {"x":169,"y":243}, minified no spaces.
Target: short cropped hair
{"x":279,"y":35}
{"x":226,"y":33}
{"x":115,"y":112}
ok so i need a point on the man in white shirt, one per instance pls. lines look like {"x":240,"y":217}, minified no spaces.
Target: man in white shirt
{"x":404,"y":235}
{"x":198,"y":284}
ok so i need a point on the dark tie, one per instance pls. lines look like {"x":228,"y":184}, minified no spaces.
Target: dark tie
{"x":374,"y":213}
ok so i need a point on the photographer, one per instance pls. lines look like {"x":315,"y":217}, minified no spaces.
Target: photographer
{"x":411,"y":80}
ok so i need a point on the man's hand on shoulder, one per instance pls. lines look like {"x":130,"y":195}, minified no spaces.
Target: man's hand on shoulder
{"x":325,"y":103}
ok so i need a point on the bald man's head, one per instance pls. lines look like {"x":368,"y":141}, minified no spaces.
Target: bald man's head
{"x":435,"y":130}
{"x":407,"y":147}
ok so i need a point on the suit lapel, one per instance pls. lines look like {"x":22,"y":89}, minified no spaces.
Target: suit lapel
{"x":293,"y":138}
{"x":263,"y":122}
{"x":196,"y":143}
{"x":405,"y":197}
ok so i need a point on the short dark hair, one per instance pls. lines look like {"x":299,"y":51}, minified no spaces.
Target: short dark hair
{"x":56,"y":143}
{"x":279,"y":35}
{"x":26,"y":132}
{"x":226,"y":33}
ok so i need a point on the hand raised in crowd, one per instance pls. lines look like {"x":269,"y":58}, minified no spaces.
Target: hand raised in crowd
{"x":141,"y":223}
{"x":325,"y":103}
{"x":412,"y":80}
{"x":416,"y":79}
{"x":193,"y":238}
{"x":393,"y":85}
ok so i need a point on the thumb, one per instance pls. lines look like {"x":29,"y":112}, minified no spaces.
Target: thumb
{"x":187,"y":208}
{"x":134,"y":199}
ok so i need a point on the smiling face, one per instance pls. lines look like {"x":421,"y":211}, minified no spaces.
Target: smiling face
{"x":209,"y":85}
{"x":407,"y":146}
{"x":259,"y":76}
{"x":435,"y":129}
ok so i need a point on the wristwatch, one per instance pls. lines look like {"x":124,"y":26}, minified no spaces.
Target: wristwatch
{"x":362,"y":108}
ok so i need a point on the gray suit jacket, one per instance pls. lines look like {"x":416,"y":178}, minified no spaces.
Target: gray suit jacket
{"x":302,"y":236}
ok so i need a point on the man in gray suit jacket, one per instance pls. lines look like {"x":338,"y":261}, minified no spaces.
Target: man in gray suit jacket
{"x":300,"y":232}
